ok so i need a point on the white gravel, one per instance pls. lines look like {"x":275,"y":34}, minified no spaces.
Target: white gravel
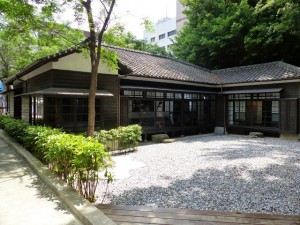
{"x":208,"y":172}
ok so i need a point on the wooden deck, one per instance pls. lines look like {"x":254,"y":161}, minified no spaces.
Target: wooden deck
{"x":132,"y":215}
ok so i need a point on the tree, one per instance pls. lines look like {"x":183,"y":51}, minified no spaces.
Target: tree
{"x":97,"y":20}
{"x":228,"y":33}
{"x":28,"y":32}
{"x":22,"y":45}
{"x":117,"y":36}
{"x":96,"y":52}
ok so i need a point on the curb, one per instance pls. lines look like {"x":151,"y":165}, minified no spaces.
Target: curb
{"x":81,"y":208}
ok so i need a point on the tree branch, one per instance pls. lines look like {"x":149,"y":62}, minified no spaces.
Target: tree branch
{"x":104,"y":28}
{"x":104,"y":6}
{"x":88,"y":8}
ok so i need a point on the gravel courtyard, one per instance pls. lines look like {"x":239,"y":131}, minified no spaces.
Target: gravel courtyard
{"x":208,"y":172}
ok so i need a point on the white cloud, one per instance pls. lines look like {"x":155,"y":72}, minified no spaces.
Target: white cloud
{"x":131,"y":13}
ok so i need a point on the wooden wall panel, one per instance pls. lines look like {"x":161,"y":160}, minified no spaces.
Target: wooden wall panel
{"x":289,"y":116}
{"x":39,"y":82}
{"x":110,"y":106}
{"x":219,"y":111}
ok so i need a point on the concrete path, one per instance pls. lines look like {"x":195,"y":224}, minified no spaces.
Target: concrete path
{"x":24,"y":198}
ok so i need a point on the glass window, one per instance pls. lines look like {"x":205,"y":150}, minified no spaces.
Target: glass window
{"x":170,"y":95}
{"x":162,"y":36}
{"x":171,"y":33}
{"x":178,"y":95}
{"x":37,"y":109}
{"x":187,"y":96}
{"x":133,"y":93}
{"x":254,"y":112}
{"x":159,"y":94}
{"x":275,"y":111}
{"x":150,"y":94}
{"x":230,"y":113}
{"x":194,"y":96}
{"x":152,"y":39}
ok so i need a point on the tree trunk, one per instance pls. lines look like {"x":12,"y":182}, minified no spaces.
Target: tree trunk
{"x":92,"y":99}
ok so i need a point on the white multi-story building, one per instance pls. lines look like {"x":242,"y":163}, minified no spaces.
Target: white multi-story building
{"x":180,"y":17}
{"x":165,"y":29}
{"x":164,"y":33}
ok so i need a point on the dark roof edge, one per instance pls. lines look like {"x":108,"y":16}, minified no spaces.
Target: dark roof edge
{"x":276,"y":63}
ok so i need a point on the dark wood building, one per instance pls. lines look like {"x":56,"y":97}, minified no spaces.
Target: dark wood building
{"x":161,"y":94}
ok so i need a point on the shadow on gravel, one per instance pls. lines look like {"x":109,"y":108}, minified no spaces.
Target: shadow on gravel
{"x":239,"y":147}
{"x":263,"y":190}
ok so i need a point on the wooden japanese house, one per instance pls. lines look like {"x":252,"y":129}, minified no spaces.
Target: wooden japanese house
{"x":159,"y":93}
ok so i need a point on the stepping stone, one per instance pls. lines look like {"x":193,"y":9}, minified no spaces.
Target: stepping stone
{"x":168,"y":140}
{"x":256,"y":134}
{"x":159,"y":137}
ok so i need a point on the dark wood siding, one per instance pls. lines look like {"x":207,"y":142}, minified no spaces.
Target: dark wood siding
{"x":39,"y":82}
{"x":124,"y":111}
{"x":289,"y":115}
{"x":219,"y":111}
{"x":110,"y":105}
{"x":71,"y":79}
{"x":81,"y":80}
{"x":138,"y":83}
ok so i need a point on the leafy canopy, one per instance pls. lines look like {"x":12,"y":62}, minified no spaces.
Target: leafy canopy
{"x":28,"y":31}
{"x":226,"y":33}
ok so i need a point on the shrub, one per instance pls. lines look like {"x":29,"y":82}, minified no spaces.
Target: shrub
{"x":34,"y":138}
{"x":77,"y":160}
{"x":15,"y":128}
{"x":130,"y":136}
{"x":127,"y":137}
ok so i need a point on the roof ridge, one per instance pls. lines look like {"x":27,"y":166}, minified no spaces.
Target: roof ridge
{"x":156,"y":55}
{"x":248,"y":66}
{"x":287,"y":66}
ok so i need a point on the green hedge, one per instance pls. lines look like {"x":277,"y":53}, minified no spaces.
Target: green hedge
{"x":120,"y":138}
{"x":75,"y":158}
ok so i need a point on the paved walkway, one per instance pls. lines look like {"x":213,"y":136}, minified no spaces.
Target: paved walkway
{"x":24,"y":198}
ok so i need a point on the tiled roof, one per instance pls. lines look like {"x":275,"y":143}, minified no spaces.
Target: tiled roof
{"x":142,"y":64}
{"x":259,"y":72}
{"x":147,"y":65}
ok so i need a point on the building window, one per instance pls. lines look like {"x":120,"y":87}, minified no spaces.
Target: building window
{"x":159,"y":94}
{"x":162,"y":36}
{"x":170,"y":95}
{"x":171,"y":33}
{"x":152,"y":39}
{"x":37,"y":109}
{"x":150,"y":94}
{"x":178,"y":96}
{"x":133,"y":93}
{"x":261,"y":109}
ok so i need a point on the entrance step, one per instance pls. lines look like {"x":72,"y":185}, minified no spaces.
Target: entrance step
{"x":256,"y":134}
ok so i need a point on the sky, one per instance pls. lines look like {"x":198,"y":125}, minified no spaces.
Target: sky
{"x":131,"y":13}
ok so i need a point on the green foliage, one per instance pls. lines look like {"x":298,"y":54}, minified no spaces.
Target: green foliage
{"x":15,"y":128}
{"x":35,"y":137}
{"x":130,"y":136}
{"x":21,"y":45}
{"x":74,"y":158}
{"x":117,"y":36}
{"x":237,"y":32}
{"x":77,"y":160}
{"x":127,"y":137}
